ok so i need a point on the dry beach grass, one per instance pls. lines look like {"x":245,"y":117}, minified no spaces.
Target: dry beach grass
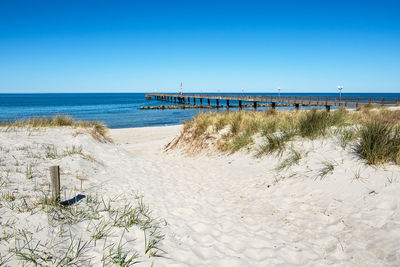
{"x":97,"y":129}
{"x":376,"y":131}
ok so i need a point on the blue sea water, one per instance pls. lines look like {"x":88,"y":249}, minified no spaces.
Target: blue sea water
{"x":116,"y":110}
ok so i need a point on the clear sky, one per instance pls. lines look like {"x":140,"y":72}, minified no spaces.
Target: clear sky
{"x":142,"y":46}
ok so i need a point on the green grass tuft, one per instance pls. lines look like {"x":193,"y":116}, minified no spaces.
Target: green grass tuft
{"x":379,"y":142}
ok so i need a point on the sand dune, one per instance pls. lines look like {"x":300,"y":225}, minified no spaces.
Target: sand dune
{"x":235,"y":210}
{"x":221,"y":210}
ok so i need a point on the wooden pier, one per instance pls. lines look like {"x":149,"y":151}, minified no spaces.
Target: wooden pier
{"x":296,"y":101}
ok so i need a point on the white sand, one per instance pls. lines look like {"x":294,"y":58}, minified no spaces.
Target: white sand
{"x":239,"y":211}
{"x":223,"y":210}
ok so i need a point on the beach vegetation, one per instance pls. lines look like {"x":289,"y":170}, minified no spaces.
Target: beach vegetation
{"x":96,"y":128}
{"x":357,"y":176}
{"x":292,"y":159}
{"x":275,"y":142}
{"x":61,"y":241}
{"x":373,"y":131}
{"x":379,"y":142}
{"x":72,"y":150}
{"x":316,"y":123}
{"x":240,"y":141}
{"x":51,"y":152}
{"x":347,"y":135}
{"x":118,"y":255}
{"x":28,"y":171}
{"x":327,"y":168}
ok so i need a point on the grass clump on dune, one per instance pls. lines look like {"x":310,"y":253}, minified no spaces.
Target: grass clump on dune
{"x":98,"y":129}
{"x":315,"y":123}
{"x":379,"y":142}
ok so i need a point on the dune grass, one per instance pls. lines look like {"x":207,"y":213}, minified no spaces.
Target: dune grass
{"x":275,"y":127}
{"x":98,"y":129}
{"x":293,"y":158}
{"x":379,"y":142}
{"x":375,"y":131}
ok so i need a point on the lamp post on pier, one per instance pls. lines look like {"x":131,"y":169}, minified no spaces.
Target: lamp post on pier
{"x":279,"y":94}
{"x":340,"y":88}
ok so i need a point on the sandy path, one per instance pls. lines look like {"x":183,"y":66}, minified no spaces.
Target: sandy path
{"x":227,"y":211}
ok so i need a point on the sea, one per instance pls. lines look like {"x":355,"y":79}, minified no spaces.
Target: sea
{"x":116,"y":110}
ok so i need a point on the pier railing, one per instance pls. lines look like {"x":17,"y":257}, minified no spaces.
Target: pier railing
{"x":299,"y":100}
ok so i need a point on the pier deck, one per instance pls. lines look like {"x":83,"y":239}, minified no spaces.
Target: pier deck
{"x":297,"y":101}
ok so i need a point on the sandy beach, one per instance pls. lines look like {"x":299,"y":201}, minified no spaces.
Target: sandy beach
{"x":235,"y":210}
{"x":199,"y":133}
{"x":211,"y":210}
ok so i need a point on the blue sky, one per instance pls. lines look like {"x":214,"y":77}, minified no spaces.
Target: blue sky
{"x":142,"y":46}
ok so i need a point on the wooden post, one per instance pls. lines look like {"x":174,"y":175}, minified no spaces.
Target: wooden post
{"x":240,"y":104}
{"x":328,"y":108}
{"x":255,"y":105}
{"x":297,"y":106}
{"x":227,"y":104}
{"x":194,"y":101}
{"x":217,"y":103}
{"x":55,"y":183}
{"x":201,"y":101}
{"x":273,"y":105}
{"x":208,"y":101}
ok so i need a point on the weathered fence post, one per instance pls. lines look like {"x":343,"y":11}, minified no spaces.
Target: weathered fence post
{"x":55,"y":183}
